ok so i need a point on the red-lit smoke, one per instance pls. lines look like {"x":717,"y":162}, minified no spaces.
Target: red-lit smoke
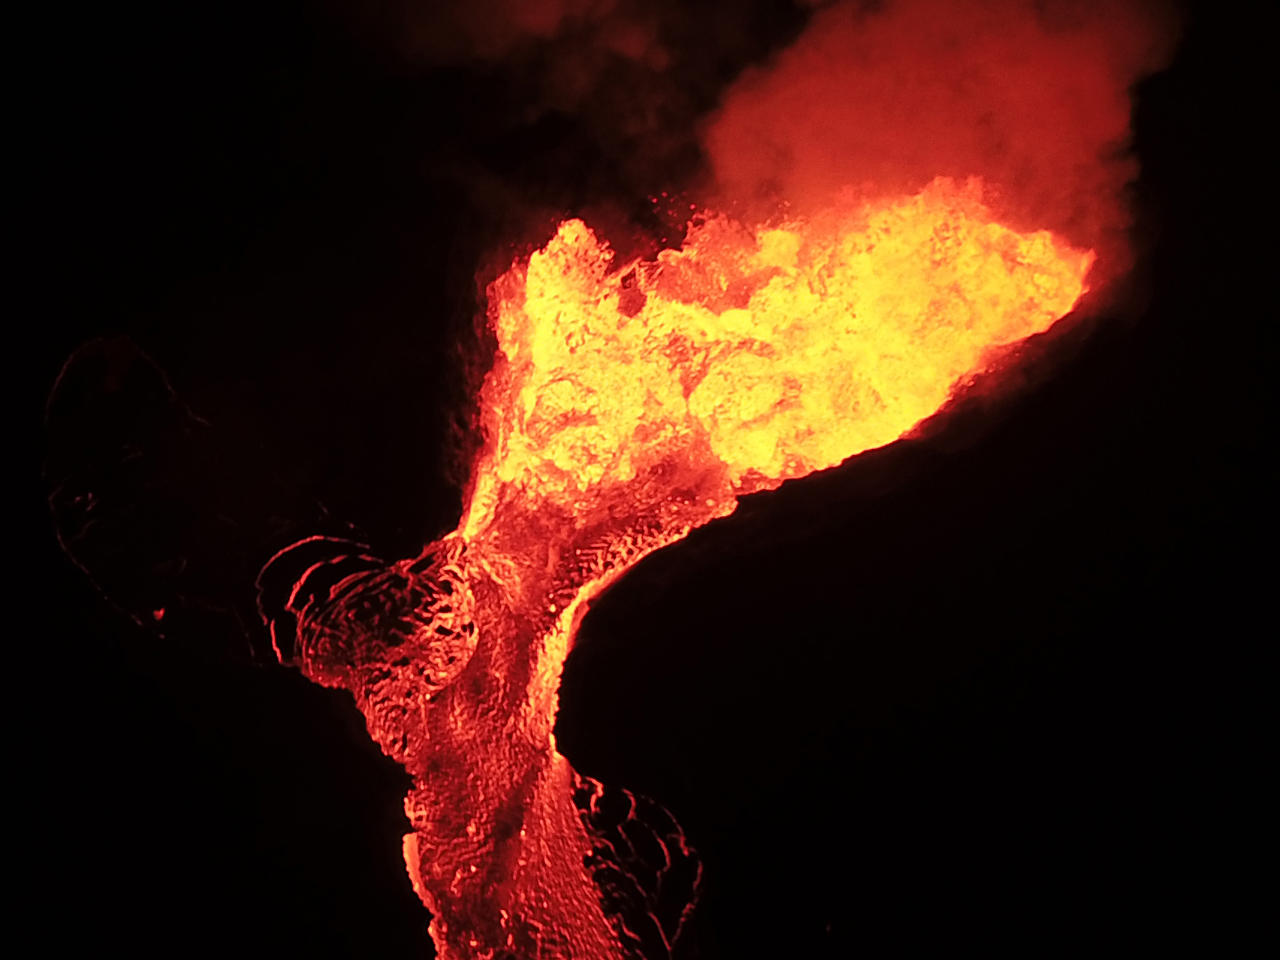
{"x":1034,"y":97}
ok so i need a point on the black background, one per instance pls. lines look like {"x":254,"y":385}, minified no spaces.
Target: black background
{"x":982,"y":689}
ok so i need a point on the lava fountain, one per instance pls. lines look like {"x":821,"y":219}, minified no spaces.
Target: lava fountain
{"x":627,"y":404}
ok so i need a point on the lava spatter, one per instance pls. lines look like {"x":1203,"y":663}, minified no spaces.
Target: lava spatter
{"x":627,"y":404}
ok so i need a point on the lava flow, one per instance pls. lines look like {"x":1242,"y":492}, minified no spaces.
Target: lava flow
{"x":626,"y":405}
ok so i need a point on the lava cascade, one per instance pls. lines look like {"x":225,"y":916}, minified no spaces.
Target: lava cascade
{"x":626,"y":405}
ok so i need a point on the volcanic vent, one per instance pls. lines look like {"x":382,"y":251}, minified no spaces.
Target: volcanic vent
{"x":629,"y":403}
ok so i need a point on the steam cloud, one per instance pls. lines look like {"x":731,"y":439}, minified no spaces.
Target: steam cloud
{"x":877,"y":97}
{"x":1031,"y":96}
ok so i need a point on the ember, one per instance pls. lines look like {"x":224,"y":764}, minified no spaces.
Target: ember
{"x":628,"y":404}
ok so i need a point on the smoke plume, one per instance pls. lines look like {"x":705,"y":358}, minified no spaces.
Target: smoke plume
{"x":1031,"y":96}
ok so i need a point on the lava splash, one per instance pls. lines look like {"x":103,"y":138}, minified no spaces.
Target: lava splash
{"x":626,"y":405}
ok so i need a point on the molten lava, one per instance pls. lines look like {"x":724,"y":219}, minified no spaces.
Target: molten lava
{"x":628,"y":404}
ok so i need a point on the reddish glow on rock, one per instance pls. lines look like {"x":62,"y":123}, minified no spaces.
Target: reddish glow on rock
{"x":627,"y":404}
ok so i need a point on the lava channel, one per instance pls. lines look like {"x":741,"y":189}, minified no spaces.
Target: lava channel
{"x":626,"y":405}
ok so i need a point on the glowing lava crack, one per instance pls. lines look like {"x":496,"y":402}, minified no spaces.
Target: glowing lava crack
{"x":626,"y":406}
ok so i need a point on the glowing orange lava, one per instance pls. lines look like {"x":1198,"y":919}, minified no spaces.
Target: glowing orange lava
{"x":628,"y":404}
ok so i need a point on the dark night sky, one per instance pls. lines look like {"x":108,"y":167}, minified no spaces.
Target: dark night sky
{"x":984,"y":689}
